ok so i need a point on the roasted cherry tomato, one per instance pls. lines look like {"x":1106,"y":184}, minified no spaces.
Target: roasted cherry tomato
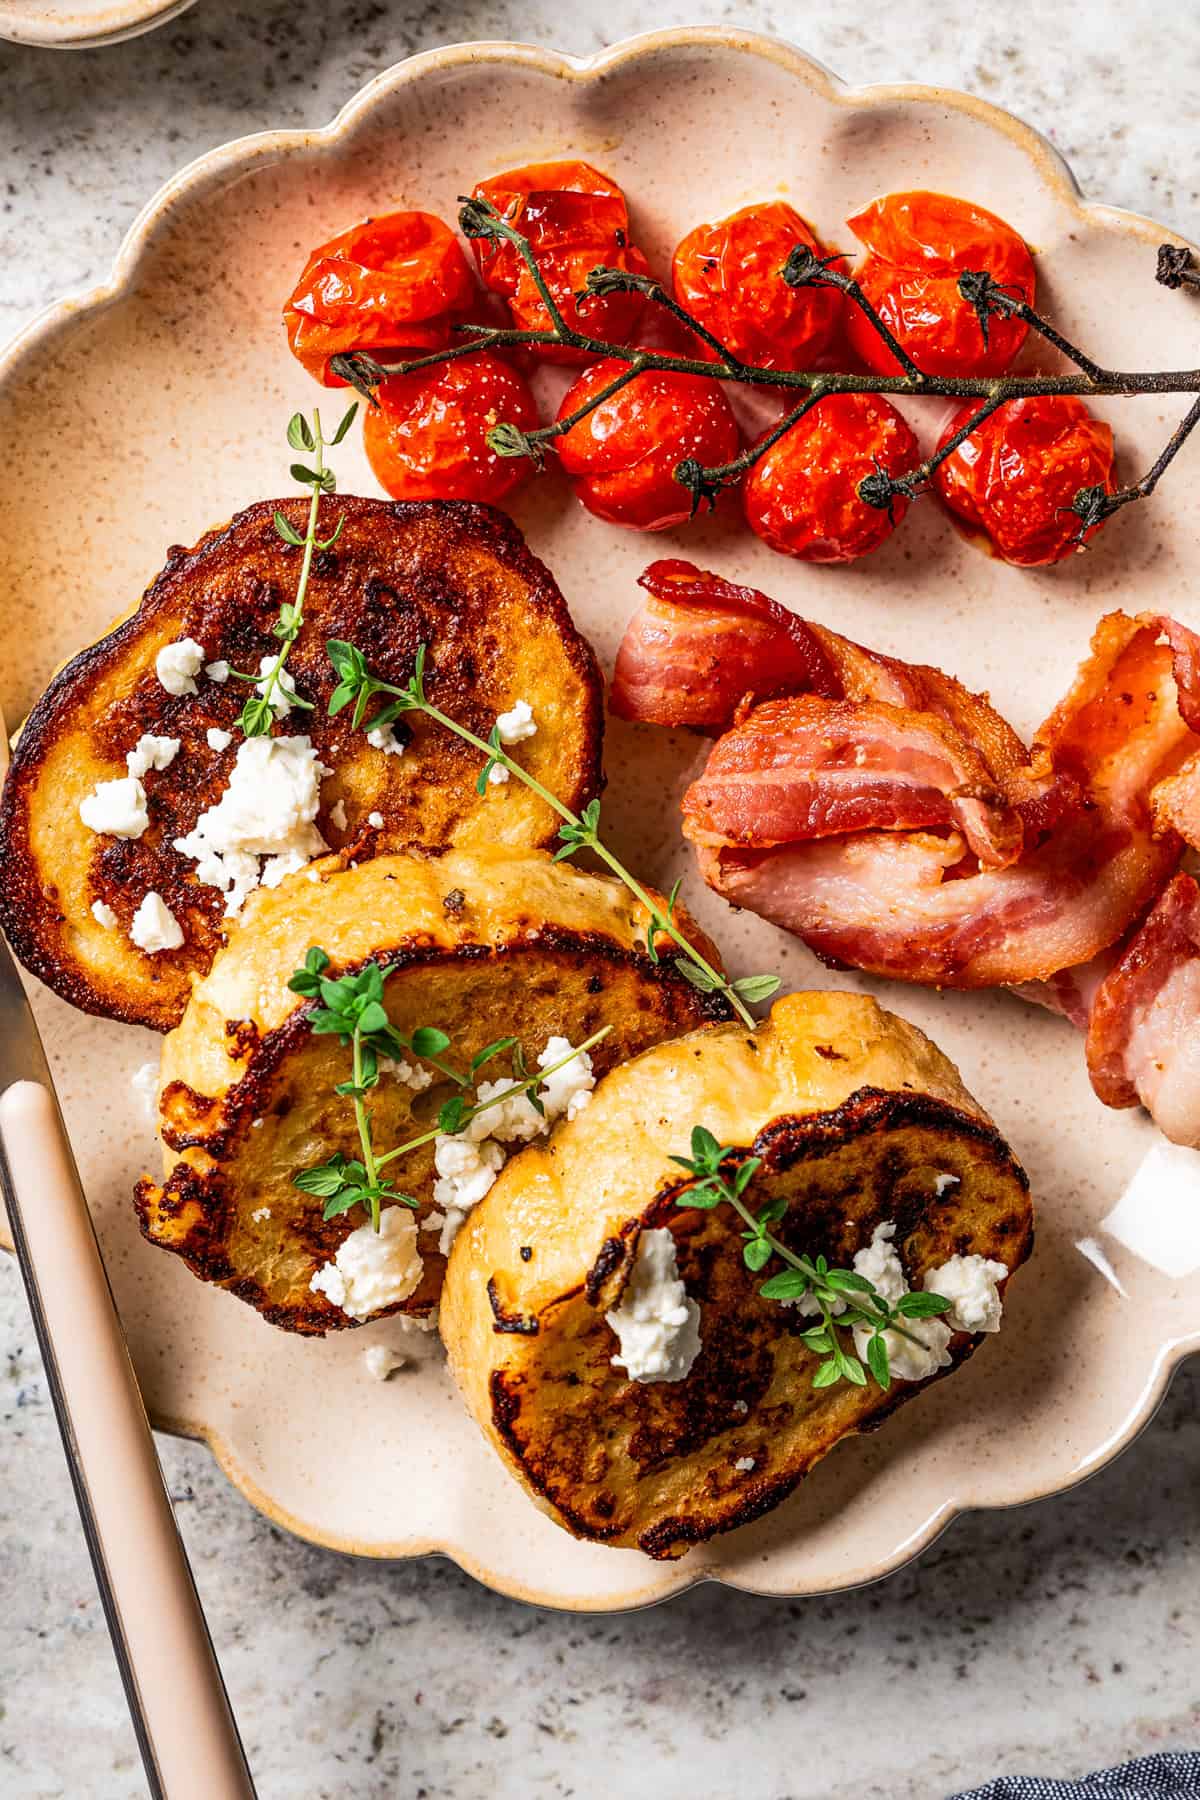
{"x":393,"y":283}
{"x":427,"y":438}
{"x":728,"y":277}
{"x":1013,"y":480}
{"x":802,"y":496}
{"x":622,"y":457}
{"x":575,"y":218}
{"x":918,"y":245}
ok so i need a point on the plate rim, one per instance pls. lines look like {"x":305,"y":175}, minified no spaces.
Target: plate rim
{"x":88,"y":31}
{"x":212,"y":166}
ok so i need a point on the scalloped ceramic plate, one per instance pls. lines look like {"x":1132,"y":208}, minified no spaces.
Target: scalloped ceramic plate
{"x":140,"y":414}
{"x":83,"y":24}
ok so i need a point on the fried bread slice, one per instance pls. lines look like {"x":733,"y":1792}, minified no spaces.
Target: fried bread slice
{"x":453,"y":576}
{"x":483,"y":944}
{"x":860,"y":1122}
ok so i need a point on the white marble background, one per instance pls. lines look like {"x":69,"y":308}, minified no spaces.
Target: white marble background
{"x":1059,"y":1637}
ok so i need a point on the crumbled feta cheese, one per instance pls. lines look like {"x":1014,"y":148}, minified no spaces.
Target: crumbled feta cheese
{"x":155,"y":926}
{"x":373,"y":1269}
{"x":657,"y":1325}
{"x":466,"y":1171}
{"x":741,"y":1406}
{"x":217,"y":671}
{"x":144,"y":1083}
{"x":260,"y":1212}
{"x":412,"y":1075}
{"x":284,"y":690}
{"x":881,"y":1265}
{"x":921,"y":1352}
{"x":497,"y":775}
{"x":151,"y":752}
{"x":267,"y":810}
{"x":568,"y":1090}
{"x":104,"y":915}
{"x":943,"y":1183}
{"x":744,"y":1464}
{"x":382,"y":737}
{"x":513,"y":1121}
{"x":515,"y":726}
{"x":375,"y":821}
{"x":177,"y":665}
{"x":116,"y":808}
{"x":380,"y":1361}
{"x":218,"y":739}
{"x":971,"y":1282}
{"x":337,"y":817}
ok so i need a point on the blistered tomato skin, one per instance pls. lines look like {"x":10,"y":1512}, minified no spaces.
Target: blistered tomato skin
{"x":1013,"y":480}
{"x":427,"y":438}
{"x":801,"y":497}
{"x":622,"y":457}
{"x":728,"y":277}
{"x":575,"y":218}
{"x":395,"y":283}
{"x":917,"y":246}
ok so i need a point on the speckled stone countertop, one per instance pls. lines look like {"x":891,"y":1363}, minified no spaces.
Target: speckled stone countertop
{"x":1056,"y":1638}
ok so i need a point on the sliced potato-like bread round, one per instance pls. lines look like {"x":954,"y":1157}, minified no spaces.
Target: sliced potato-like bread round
{"x":486,"y":944}
{"x":455,"y":577}
{"x":856,"y":1116}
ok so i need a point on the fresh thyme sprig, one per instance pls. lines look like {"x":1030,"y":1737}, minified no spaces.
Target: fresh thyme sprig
{"x":352,"y":1010}
{"x":259,"y":712}
{"x":720,"y":1176}
{"x":803,"y":268}
{"x":358,"y":687}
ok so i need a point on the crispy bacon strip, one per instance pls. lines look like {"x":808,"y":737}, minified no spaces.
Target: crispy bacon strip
{"x":885,"y":905}
{"x":1143,"y":1036}
{"x":808,"y":768}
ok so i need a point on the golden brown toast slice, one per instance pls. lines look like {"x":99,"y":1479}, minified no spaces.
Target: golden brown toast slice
{"x":487,"y":944}
{"x":856,"y":1116}
{"x":455,"y":576}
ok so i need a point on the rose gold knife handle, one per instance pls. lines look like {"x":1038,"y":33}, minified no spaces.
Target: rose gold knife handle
{"x":181,"y":1713}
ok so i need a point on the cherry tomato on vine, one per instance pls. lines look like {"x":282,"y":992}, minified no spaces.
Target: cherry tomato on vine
{"x":1013,"y":480}
{"x":575,"y":218}
{"x":918,"y":244}
{"x":427,"y":438}
{"x":801,"y":496}
{"x":728,"y":276}
{"x":622,"y":457}
{"x":393,"y":283}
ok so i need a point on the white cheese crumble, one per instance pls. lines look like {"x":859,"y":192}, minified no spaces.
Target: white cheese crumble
{"x":972,"y":1283}
{"x":382,"y":737}
{"x":922,"y":1352}
{"x":497,"y":775}
{"x":741,"y":1406}
{"x":412,"y":1075}
{"x":154,"y":926}
{"x":744,"y":1464}
{"x":375,"y":820}
{"x":116,"y":808}
{"x":466,"y":1171}
{"x":267,"y":810}
{"x":943,"y":1183}
{"x":177,"y":665}
{"x":104,"y":915}
{"x":568,"y":1090}
{"x":284,"y":690}
{"x":218,"y":739}
{"x":372,"y":1269}
{"x":657,"y":1326}
{"x":260,"y":1212}
{"x":517,"y":725}
{"x":217,"y":671}
{"x":337,"y":817}
{"x":380,"y":1361}
{"x":151,"y":752}
{"x":144,"y":1083}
